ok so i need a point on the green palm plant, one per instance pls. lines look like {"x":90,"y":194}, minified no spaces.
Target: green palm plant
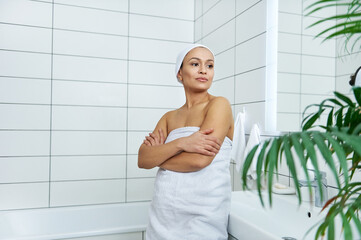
{"x":347,"y":25}
{"x":341,"y":136}
{"x":338,"y":140}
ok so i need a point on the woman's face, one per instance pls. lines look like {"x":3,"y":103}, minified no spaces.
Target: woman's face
{"x":197,"y":69}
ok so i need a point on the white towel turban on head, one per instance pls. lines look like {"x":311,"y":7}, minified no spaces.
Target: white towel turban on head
{"x":183,"y":53}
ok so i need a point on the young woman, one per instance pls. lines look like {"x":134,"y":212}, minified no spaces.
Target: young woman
{"x":191,"y":146}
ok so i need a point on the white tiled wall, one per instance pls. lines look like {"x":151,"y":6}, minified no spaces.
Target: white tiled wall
{"x":78,"y":94}
{"x":306,"y":68}
{"x":309,"y":70}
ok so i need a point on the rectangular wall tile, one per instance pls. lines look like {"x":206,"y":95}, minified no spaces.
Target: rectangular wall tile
{"x":198,"y":25}
{"x":17,"y":38}
{"x":24,"y":169}
{"x":87,"y":167}
{"x":160,"y":28}
{"x":19,"y":90}
{"x":214,"y":20}
{"x":209,"y":4}
{"x":224,"y":64}
{"x":89,"y":69}
{"x":288,"y":122}
{"x":347,"y":65}
{"x":114,"y":5}
{"x":217,"y":40}
{"x":24,"y":117}
{"x":87,"y":192}
{"x":26,"y":12}
{"x":133,"y":171}
{"x":289,"y":43}
{"x":317,"y":84}
{"x":171,"y":8}
{"x":250,"y":80}
{"x":154,"y":50}
{"x":255,"y":15}
{"x":289,"y":23}
{"x":143,"y":96}
{"x":198,"y":9}
{"x":135,"y":139}
{"x":90,"y":44}
{"x":316,"y":46}
{"x":290,"y":6}
{"x":242,"y":5}
{"x":288,"y":102}
{"x":288,"y":82}
{"x":88,"y":143}
{"x":88,"y":93}
{"x":140,"y":189}
{"x":152,"y":73}
{"x":21,"y":64}
{"x":325,"y":65}
{"x":342,"y":84}
{"x":308,"y":99}
{"x":24,"y":195}
{"x":224,"y":88}
{"x":307,"y":21}
{"x":88,"y":118}
{"x":255,"y":50}
{"x":92,"y":20}
{"x":142,"y":119}
{"x":24,"y":143}
{"x":289,"y":63}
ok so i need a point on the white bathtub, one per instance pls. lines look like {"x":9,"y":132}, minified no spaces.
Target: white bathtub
{"x":74,"y":222}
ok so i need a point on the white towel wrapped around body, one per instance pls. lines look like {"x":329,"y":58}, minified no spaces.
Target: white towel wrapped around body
{"x":194,"y":205}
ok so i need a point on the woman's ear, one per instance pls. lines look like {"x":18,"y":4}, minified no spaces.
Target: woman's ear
{"x":179,"y":76}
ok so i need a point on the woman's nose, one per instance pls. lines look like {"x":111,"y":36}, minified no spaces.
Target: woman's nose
{"x":202,"y":69}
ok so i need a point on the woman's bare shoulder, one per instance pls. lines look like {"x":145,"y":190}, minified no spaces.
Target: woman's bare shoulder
{"x":218,"y":101}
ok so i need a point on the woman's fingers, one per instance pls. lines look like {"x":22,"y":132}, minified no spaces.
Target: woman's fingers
{"x":151,"y":140}
{"x":207,"y":131}
{"x":215,"y":142}
{"x":154,"y":139}
{"x":146,"y":142}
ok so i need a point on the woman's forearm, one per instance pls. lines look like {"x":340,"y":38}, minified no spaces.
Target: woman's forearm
{"x":187,"y":162}
{"x":153,"y":156}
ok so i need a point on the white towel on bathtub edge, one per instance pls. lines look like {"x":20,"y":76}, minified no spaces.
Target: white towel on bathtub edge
{"x":239,"y":140}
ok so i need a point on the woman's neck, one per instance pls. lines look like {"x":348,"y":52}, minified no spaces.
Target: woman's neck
{"x":193,"y":99}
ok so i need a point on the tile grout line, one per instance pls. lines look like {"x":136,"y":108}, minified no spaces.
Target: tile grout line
{"x":51,"y":102}
{"x":127,"y":113}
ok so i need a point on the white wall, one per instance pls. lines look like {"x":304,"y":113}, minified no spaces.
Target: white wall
{"x":79,"y":89}
{"x":306,"y":68}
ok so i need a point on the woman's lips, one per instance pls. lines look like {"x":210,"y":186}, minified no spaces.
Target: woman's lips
{"x":201,"y":79}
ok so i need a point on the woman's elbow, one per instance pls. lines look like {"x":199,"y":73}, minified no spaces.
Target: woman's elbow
{"x":201,"y":163}
{"x":143,"y":164}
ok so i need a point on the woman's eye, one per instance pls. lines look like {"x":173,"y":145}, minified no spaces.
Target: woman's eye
{"x":195,"y":64}
{"x":210,"y":66}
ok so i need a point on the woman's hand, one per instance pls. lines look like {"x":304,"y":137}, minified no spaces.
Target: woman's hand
{"x":201,"y":142}
{"x":154,"y":140}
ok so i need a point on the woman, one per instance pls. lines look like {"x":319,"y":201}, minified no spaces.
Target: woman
{"x":192,"y":146}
